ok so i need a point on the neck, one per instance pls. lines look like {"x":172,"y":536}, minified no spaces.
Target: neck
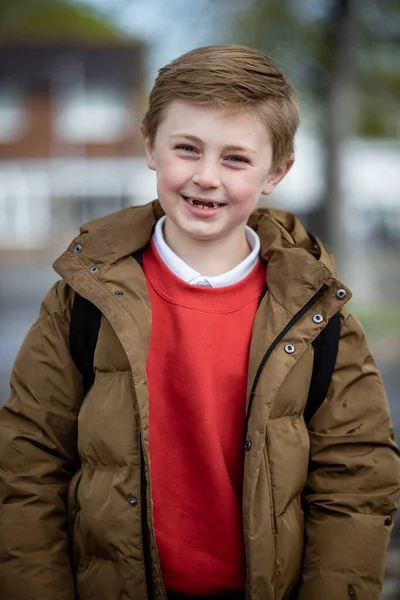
{"x":208,"y":257}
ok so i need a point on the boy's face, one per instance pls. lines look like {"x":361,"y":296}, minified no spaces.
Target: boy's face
{"x":203,"y":157}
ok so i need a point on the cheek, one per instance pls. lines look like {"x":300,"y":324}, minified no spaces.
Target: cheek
{"x":246,"y":190}
{"x":172,"y":174}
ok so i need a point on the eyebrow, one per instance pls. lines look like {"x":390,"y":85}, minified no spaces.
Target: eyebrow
{"x":229,"y":148}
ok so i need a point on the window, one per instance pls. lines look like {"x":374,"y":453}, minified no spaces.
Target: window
{"x":24,"y":208}
{"x":13,"y":116}
{"x":89,"y":208}
{"x":93,"y":114}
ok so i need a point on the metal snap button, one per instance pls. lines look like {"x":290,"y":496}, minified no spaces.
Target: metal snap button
{"x":94,"y":270}
{"x":351,"y":592}
{"x":118,"y":293}
{"x":318,"y":318}
{"x":133,"y":501}
{"x":341,"y":294}
{"x":78,"y":248}
{"x":248,"y":445}
{"x":289,"y":348}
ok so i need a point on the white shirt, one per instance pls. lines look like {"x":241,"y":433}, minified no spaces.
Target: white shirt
{"x":189,"y":275}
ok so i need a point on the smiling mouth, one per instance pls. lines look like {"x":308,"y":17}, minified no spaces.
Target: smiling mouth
{"x":205,"y":204}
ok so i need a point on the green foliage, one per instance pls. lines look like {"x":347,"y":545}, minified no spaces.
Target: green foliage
{"x":29,"y":20}
{"x":379,"y":322}
{"x":297,"y":35}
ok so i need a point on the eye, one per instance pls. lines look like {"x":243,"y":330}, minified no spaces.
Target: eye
{"x":238,"y":159}
{"x":186,"y":148}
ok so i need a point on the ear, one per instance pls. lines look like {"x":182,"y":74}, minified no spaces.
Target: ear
{"x":277,"y":175}
{"x":149,"y":152}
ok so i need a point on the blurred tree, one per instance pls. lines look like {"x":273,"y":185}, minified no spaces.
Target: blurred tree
{"x":40,"y":20}
{"x":343,"y":55}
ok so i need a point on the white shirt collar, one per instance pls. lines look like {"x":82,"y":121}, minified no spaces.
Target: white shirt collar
{"x":189,"y":275}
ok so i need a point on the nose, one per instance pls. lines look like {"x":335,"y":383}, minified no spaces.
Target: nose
{"x":206,"y":174}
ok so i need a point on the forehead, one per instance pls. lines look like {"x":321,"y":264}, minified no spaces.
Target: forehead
{"x":213,"y":124}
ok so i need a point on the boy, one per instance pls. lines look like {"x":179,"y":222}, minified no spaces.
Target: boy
{"x":188,"y":469}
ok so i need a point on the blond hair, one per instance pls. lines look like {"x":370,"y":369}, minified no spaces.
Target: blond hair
{"x":234,"y":79}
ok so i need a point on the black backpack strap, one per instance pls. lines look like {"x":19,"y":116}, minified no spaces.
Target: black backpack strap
{"x":138,"y":256}
{"x":326,"y":347}
{"x":84,"y":330}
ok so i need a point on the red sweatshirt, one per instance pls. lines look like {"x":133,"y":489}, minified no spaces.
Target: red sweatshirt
{"x":197,"y":377}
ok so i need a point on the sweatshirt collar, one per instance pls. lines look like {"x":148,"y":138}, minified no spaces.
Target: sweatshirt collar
{"x":189,"y":275}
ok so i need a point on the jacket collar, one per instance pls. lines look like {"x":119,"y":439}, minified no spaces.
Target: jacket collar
{"x":298,"y":264}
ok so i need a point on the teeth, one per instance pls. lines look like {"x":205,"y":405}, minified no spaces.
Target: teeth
{"x":203,"y":206}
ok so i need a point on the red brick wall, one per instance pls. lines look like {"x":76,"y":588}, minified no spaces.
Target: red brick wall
{"x":39,"y":140}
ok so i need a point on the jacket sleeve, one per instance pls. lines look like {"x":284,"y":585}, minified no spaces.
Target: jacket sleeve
{"x":38,"y":455}
{"x":353,"y":482}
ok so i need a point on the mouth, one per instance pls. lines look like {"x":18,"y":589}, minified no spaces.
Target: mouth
{"x":203,"y":203}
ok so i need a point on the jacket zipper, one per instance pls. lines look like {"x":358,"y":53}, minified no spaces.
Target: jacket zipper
{"x":267,"y":354}
{"x":276,"y":341}
{"x":145,"y":532}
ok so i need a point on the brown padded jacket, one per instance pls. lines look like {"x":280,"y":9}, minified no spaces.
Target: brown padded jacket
{"x":75,"y":476}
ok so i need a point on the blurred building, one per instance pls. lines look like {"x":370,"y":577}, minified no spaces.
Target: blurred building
{"x":369,"y":184}
{"x":370,"y":215}
{"x":70,"y":141}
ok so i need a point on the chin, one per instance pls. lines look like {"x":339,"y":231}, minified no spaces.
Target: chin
{"x":204,"y":232}
{"x":201,"y":235}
